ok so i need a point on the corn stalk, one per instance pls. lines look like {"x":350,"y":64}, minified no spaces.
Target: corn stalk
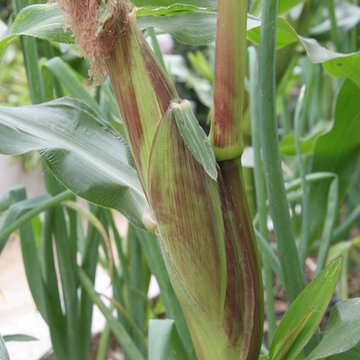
{"x":198,"y":207}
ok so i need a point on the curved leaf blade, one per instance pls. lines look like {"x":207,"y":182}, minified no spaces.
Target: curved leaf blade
{"x":342,"y":331}
{"x":42,"y":21}
{"x":85,"y":155}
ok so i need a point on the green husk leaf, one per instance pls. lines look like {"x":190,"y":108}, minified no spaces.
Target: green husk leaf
{"x":204,"y":233}
{"x":195,"y":137}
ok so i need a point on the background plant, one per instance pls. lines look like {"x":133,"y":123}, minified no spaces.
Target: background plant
{"x":322,"y":173}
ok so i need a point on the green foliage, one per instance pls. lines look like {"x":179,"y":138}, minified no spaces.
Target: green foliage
{"x":204,"y":260}
{"x":342,"y":331}
{"x":304,"y":315}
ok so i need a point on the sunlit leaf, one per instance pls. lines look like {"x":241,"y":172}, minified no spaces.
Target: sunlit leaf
{"x":304,"y":315}
{"x":84,"y":154}
{"x":342,"y":331}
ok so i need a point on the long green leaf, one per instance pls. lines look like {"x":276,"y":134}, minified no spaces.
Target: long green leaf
{"x":66,"y":76}
{"x":304,"y":315}
{"x":41,"y":21}
{"x":119,"y":331}
{"x":342,"y":330}
{"x":154,"y":258}
{"x":23,"y":211}
{"x":89,"y":158}
{"x":195,"y":26}
{"x":19,"y":337}
{"x":159,"y":339}
{"x":337,"y":152}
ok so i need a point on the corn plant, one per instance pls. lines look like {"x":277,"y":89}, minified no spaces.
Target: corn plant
{"x":142,"y":152}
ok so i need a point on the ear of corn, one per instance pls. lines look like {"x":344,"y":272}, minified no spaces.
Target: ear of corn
{"x":200,"y":209}
{"x":207,"y":242}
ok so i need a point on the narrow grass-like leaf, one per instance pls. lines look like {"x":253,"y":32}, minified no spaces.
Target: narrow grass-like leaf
{"x":66,"y":76}
{"x":269,"y":255}
{"x":159,"y":339}
{"x":304,"y":315}
{"x":342,"y":330}
{"x":330,"y":221}
{"x":67,"y":269}
{"x":279,"y":207}
{"x":19,"y":337}
{"x":126,"y":342}
{"x":154,"y":258}
{"x":23,"y":211}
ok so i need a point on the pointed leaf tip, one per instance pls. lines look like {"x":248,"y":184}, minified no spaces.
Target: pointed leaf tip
{"x":194,"y":136}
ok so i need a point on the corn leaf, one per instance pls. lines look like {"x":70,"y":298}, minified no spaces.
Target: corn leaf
{"x":45,"y":22}
{"x":285,"y":5}
{"x":67,"y":77}
{"x":89,"y":158}
{"x":304,"y":315}
{"x":333,"y":154}
{"x":117,"y":328}
{"x":342,"y":331}
{"x":41,"y":21}
{"x":158,"y":3}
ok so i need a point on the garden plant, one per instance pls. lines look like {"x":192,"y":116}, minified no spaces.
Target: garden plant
{"x":225,"y":240}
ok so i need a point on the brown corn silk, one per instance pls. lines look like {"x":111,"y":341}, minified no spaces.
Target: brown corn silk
{"x":206,"y":235}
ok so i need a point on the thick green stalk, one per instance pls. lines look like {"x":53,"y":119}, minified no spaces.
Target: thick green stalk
{"x":230,"y":64}
{"x":293,"y":274}
{"x":260,"y":188}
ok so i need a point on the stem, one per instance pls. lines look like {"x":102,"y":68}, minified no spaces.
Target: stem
{"x":334,"y":28}
{"x":30,"y":53}
{"x":260,"y":189}
{"x":230,"y":62}
{"x":341,"y":232}
{"x":330,"y":220}
{"x":305,"y":220}
{"x":156,"y":47}
{"x":293,"y":274}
